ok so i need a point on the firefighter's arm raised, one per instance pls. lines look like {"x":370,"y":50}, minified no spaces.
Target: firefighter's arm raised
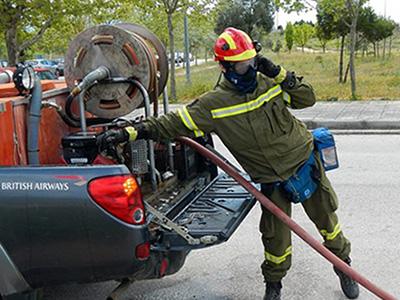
{"x":297,"y":92}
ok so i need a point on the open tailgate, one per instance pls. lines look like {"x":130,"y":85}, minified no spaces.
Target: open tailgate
{"x":216,"y":211}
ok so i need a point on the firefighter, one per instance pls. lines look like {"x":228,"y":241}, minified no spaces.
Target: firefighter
{"x":248,"y":110}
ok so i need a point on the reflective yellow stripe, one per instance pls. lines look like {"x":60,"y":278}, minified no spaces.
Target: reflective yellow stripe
{"x":132,"y":133}
{"x":281,"y":76}
{"x":278,"y":259}
{"x":331,"y":235}
{"x":189,"y":123}
{"x":229,"y":40}
{"x":287,"y":98}
{"x":242,"y":56}
{"x":247,"y":106}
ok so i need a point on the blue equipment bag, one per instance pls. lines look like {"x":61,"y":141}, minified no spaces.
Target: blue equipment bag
{"x":302,"y":185}
{"x":326,"y":147}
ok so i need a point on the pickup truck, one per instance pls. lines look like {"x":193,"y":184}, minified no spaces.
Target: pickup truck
{"x":65,"y":220}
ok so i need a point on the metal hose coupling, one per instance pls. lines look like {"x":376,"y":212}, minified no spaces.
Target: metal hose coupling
{"x":98,"y":74}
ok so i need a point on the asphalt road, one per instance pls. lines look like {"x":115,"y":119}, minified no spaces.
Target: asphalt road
{"x":368,"y":186}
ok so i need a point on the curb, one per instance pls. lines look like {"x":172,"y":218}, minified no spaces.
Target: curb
{"x":384,"y":125}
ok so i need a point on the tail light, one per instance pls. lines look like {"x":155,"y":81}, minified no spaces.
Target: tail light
{"x":120,"y":196}
{"x":143,"y":251}
{"x":163,"y":267}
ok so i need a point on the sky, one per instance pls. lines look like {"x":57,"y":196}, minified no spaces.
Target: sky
{"x":392,"y":11}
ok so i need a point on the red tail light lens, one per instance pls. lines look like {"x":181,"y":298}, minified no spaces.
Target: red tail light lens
{"x":120,"y":196}
{"x":163,"y":267}
{"x":143,"y":251}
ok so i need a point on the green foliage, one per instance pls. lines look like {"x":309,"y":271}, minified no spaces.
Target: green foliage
{"x":332,"y":19}
{"x":302,"y":34}
{"x":251,"y":16}
{"x":373,"y":27}
{"x":295,"y":5}
{"x":25,"y":23}
{"x":289,"y":36}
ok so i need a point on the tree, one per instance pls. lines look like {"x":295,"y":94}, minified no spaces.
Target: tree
{"x":247,"y":15}
{"x":296,"y":5}
{"x":331,"y":19}
{"x":24,"y":23}
{"x":326,"y":26}
{"x":289,"y":36}
{"x":354,"y":8}
{"x":202,"y":36}
{"x":302,"y":34}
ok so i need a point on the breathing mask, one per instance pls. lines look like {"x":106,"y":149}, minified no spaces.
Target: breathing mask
{"x":242,"y":75}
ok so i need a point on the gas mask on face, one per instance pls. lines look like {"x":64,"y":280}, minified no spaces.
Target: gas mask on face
{"x":242,"y":75}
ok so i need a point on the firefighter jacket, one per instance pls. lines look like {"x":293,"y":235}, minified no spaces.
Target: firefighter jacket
{"x":258,"y":129}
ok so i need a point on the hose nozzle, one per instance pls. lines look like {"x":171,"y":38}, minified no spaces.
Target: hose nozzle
{"x":98,"y":74}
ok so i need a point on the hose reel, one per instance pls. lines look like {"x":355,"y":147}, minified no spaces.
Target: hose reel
{"x":128,"y":51}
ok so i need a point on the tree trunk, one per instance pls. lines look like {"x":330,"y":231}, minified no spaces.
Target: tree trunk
{"x":12,"y":46}
{"x":353,"y":40}
{"x":341,"y":59}
{"x":206,"y":55}
{"x":346,"y":73}
{"x":377,"y":49}
{"x":302,"y":48}
{"x":172,"y":55}
{"x":390,"y":46}
{"x":374,"y":49}
{"x":384,"y":48}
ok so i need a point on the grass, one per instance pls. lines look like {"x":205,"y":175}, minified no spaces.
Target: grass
{"x":377,"y":79}
{"x":203,"y":77}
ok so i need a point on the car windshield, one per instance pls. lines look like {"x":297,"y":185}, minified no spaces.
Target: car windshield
{"x":46,"y":75}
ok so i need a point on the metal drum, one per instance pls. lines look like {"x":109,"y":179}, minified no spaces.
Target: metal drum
{"x":128,"y":51}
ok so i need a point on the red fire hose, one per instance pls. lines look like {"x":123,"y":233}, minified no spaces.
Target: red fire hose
{"x":321,"y":249}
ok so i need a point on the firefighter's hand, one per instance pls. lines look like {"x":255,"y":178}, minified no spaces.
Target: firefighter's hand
{"x":116,"y":136}
{"x":267,"y":67}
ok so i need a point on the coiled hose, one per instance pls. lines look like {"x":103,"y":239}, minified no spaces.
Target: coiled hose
{"x":321,"y":249}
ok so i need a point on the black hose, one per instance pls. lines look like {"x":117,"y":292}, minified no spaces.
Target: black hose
{"x":74,"y":121}
{"x":34,"y":123}
{"x":67,"y":120}
{"x":68,"y":110}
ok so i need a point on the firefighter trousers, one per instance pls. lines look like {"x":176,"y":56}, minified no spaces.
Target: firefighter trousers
{"x":276,"y":236}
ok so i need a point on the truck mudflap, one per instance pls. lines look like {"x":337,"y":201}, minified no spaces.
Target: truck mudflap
{"x":210,"y":218}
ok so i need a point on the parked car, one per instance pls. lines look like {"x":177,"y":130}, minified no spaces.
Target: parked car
{"x":60,"y":68}
{"x":45,"y":74}
{"x":43,"y":63}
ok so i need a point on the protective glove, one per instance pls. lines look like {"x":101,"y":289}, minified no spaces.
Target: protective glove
{"x":115,"y":136}
{"x":267,"y":67}
{"x":286,"y":79}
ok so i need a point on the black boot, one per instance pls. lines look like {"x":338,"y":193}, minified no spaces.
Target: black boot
{"x":349,"y":286}
{"x":273,"y":291}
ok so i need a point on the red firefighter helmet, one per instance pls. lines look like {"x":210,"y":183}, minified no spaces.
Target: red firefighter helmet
{"x":234,"y":45}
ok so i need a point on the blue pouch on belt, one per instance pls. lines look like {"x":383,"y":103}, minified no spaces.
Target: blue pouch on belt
{"x":326,"y":147}
{"x":302,"y":185}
